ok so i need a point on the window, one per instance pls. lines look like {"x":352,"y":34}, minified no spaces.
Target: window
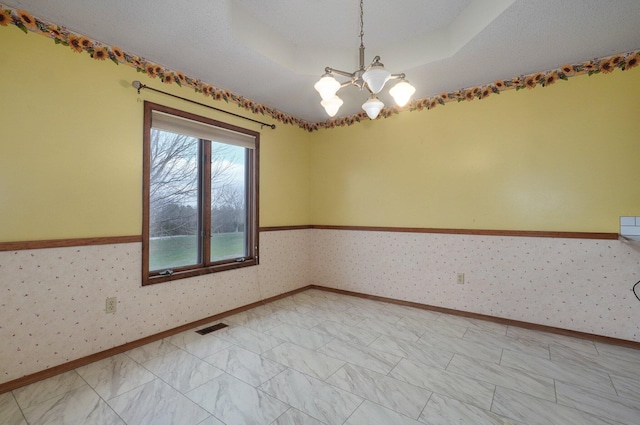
{"x":200,"y":195}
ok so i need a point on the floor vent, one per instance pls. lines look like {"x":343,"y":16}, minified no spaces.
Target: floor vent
{"x":213,"y":328}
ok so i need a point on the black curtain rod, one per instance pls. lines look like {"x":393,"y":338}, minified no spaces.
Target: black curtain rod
{"x":139,"y":86}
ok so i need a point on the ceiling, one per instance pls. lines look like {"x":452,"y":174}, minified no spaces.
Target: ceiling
{"x":274,"y":51}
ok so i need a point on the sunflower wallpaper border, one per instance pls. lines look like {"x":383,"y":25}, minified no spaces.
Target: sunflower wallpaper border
{"x":23,"y":20}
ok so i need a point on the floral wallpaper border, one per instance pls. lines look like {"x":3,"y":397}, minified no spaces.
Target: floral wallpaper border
{"x":99,"y":51}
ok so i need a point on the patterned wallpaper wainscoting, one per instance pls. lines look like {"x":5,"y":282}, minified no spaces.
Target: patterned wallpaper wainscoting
{"x":577,"y":284}
{"x":52,"y":301}
{"x":285,"y":261}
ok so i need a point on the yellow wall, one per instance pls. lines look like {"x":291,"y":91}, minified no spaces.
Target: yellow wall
{"x":284,"y":177}
{"x":71,"y":145}
{"x":560,"y":158}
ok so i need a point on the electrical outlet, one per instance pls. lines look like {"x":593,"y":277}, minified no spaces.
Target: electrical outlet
{"x":460,"y":278}
{"x":112,"y":304}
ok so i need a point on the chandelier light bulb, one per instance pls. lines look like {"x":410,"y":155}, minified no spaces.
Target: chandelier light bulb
{"x":327,"y":86}
{"x":332,"y":105}
{"x":376,"y":76}
{"x":373,"y":106}
{"x":402,"y":92}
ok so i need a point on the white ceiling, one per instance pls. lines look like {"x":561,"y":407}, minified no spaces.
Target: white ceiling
{"x":273,"y":51}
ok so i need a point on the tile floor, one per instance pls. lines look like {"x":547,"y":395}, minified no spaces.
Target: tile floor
{"x":322,"y":358}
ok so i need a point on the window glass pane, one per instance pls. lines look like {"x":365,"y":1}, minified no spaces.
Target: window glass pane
{"x":228,"y":201}
{"x":173,"y":201}
{"x":200,"y":196}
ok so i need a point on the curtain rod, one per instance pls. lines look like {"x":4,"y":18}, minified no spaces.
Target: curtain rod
{"x":139,"y":86}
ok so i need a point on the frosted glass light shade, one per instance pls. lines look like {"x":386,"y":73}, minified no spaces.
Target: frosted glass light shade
{"x":327,"y":86}
{"x":332,"y":105}
{"x":402,"y":92}
{"x":373,"y":106}
{"x":376,"y":77}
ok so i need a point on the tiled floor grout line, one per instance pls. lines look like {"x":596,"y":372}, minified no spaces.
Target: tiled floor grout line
{"x":354,"y":410}
{"x":450,"y":360}
{"x":102,"y":398}
{"x":19,"y":407}
{"x":276,"y":419}
{"x":495,"y":388}
{"x":613,"y":384}
{"x":425,"y":405}
{"x":465,"y":332}
{"x":110,"y":408}
{"x":336,"y":371}
{"x":549,"y":351}
{"x":596,"y":347}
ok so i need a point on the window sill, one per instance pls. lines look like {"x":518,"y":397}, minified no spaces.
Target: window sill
{"x":183,"y":274}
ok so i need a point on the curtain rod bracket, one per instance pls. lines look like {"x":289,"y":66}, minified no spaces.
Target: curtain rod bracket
{"x":138,"y":86}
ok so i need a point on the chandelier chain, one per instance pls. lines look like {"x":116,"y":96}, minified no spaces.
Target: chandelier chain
{"x":361,"y":23}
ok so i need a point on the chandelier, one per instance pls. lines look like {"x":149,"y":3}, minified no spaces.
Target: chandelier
{"x":373,"y":78}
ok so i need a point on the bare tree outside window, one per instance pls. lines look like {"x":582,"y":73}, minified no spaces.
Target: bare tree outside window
{"x":175,"y":202}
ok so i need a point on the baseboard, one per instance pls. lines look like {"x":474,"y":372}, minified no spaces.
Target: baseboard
{"x":74,"y":364}
{"x":504,"y":321}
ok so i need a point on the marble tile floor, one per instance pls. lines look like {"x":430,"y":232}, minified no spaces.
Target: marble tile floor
{"x":317,"y":357}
